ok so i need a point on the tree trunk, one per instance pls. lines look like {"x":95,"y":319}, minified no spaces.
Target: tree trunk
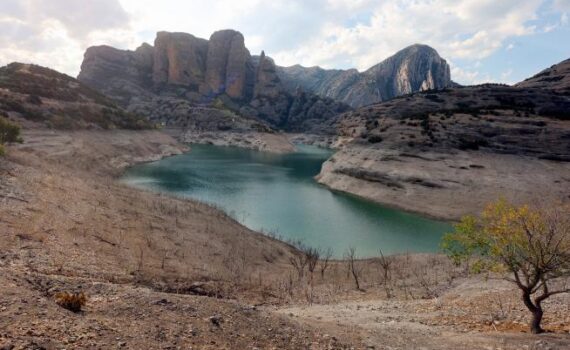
{"x":536,"y":310}
{"x":535,"y":327}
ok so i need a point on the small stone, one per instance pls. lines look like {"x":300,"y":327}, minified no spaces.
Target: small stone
{"x":216,"y":320}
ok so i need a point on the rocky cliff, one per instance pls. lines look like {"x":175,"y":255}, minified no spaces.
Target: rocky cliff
{"x":182,"y":75}
{"x":415,"y":68}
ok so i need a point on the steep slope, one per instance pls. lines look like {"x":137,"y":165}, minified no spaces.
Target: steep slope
{"x":36,"y":94}
{"x":181,"y":75}
{"x":556,"y":78}
{"x":448,"y":153}
{"x":415,"y":68}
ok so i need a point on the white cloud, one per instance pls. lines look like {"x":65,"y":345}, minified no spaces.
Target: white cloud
{"x":330,"y":33}
{"x":562,"y":5}
{"x":472,"y":29}
{"x":55,"y":33}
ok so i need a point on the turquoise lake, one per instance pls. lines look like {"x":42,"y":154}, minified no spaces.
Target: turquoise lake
{"x":277,"y":193}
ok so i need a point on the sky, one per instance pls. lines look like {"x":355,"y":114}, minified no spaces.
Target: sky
{"x":483,"y":40}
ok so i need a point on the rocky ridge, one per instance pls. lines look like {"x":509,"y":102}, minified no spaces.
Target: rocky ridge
{"x":415,"y":68}
{"x":181,"y":72}
{"x":555,"y":78}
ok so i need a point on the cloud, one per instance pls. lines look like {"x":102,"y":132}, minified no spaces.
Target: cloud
{"x":471,"y":29}
{"x":56,"y":32}
{"x":561,"y":5}
{"x":330,"y":33}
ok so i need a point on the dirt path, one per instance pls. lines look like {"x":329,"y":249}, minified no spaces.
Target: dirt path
{"x":448,"y":322}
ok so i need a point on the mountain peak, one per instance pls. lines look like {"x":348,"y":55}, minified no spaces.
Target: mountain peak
{"x":417,"y":67}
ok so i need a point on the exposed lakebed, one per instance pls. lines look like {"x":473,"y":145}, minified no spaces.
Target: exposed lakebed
{"x":277,"y":193}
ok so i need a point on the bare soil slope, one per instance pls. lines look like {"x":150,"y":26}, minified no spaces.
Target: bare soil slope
{"x":67,"y":225}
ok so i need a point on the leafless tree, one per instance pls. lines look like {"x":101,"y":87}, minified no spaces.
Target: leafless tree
{"x":312,"y":256}
{"x":354,"y":266}
{"x":325,"y":259}
{"x":299,"y":260}
{"x":386,"y":265}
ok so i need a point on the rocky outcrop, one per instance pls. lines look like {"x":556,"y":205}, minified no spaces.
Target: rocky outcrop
{"x":415,"y":68}
{"x":229,"y":68}
{"x":267,"y":82}
{"x":118,"y":73}
{"x":183,"y":75}
{"x":179,"y":59}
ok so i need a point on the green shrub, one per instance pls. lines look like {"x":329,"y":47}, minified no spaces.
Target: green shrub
{"x":9,"y":131}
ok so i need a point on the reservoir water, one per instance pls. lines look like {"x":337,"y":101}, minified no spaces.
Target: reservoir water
{"x":278,"y":194}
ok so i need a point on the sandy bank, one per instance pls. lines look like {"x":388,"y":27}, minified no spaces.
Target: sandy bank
{"x":444,"y":185}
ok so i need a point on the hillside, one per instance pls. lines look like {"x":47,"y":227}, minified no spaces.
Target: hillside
{"x":41,"y":96}
{"x":555,"y":78}
{"x":446,"y":153}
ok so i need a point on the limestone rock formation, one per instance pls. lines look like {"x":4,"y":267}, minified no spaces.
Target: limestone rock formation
{"x":179,"y":59}
{"x":415,"y":68}
{"x":267,"y":82}
{"x":184,"y":76}
{"x":181,"y":67}
{"x":229,"y":68}
{"x":118,"y":73}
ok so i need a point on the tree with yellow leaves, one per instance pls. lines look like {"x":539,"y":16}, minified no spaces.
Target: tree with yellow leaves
{"x":530,"y":245}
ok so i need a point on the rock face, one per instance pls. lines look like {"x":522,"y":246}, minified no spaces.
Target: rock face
{"x":415,"y":68}
{"x":179,"y":59}
{"x":117,"y":73}
{"x":267,"y":82}
{"x":229,"y":67}
{"x":182,"y":77}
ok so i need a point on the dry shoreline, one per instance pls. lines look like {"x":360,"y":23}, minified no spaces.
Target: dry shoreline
{"x":160,"y":270}
{"x":441,"y":185}
{"x":148,"y":262}
{"x":259,"y":141}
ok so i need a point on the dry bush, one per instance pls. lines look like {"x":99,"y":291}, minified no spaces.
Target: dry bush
{"x":354,"y":266}
{"x":71,"y":301}
{"x":385,"y":262}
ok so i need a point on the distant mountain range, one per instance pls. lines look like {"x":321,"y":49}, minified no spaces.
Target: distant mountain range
{"x":181,"y":71}
{"x":415,"y":68}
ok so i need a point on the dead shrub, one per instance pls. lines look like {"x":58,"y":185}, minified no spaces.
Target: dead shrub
{"x":71,"y":301}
